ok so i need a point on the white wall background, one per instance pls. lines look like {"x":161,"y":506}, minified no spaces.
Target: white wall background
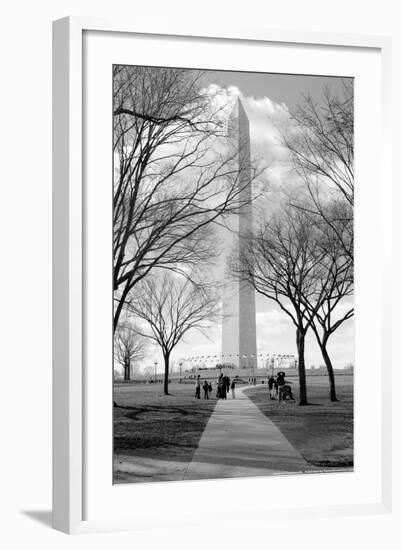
{"x":25,"y":218}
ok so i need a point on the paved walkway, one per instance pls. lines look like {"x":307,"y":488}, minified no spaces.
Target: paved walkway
{"x":240,"y":441}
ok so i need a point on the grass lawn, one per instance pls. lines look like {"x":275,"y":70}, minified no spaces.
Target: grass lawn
{"x":321,"y":432}
{"x":150,"y":424}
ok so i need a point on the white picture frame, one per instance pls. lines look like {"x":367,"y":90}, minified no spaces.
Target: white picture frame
{"x":70,"y":257}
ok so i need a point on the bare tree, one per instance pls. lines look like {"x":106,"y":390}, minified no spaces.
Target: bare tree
{"x":306,"y":272}
{"x":171,"y":305}
{"x":320,"y":141}
{"x":334,"y":282}
{"x":174,"y":174}
{"x":279,"y":261}
{"x":129,"y":346}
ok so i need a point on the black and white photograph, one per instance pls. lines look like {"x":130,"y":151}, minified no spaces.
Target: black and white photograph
{"x":200,"y":274}
{"x":233,"y":274}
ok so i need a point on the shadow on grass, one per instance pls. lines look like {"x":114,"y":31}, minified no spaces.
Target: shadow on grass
{"x":143,"y":409}
{"x":159,"y":409}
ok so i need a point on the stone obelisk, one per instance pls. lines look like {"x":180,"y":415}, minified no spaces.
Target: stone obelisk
{"x":239,"y":321}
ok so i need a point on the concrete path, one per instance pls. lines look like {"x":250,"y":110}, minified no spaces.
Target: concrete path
{"x":240,"y":441}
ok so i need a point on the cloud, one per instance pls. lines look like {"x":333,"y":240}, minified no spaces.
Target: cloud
{"x":265,"y":116}
{"x":268,"y":120}
{"x":271,"y":322}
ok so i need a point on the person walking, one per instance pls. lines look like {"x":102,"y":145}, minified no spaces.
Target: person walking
{"x":280,"y":378}
{"x":227,"y":383}
{"x":284,"y":388}
{"x":271,"y":382}
{"x":233,"y":389}
{"x":197,"y":387}
{"x":223,"y":389}
{"x":205,"y":390}
{"x":219,"y":386}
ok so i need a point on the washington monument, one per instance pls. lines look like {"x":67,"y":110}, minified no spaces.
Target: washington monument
{"x":239,"y":322}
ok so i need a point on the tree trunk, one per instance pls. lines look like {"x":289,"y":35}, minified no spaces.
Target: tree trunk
{"x":127,"y":371}
{"x":120,"y":306}
{"x":330,"y":370}
{"x":301,"y":367}
{"x":166,"y":372}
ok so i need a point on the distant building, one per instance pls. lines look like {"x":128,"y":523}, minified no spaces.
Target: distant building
{"x":239,"y":320}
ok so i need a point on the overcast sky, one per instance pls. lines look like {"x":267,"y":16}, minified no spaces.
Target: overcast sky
{"x":267,"y":99}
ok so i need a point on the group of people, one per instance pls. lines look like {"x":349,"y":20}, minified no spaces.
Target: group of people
{"x":207,"y":388}
{"x":279,"y":388}
{"x":223,"y":387}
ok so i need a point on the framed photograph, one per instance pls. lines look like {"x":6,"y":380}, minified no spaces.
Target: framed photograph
{"x":219,"y":264}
